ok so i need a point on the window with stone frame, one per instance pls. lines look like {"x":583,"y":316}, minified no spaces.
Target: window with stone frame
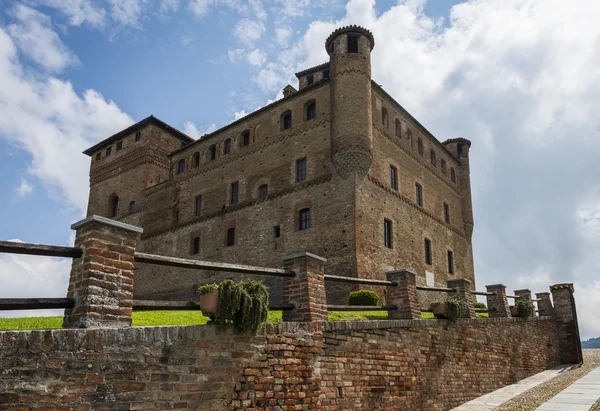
{"x":398,"y":128}
{"x":419,"y":194}
{"x":196,"y":160}
{"x":131,"y":206}
{"x":304,"y":218}
{"x":196,"y":245}
{"x":446,"y":213}
{"x":212,"y":152}
{"x":227,"y":146}
{"x":286,"y":120}
{"x":420,"y":146}
{"x":198,"y":205}
{"x":352,"y":44}
{"x":108,"y":151}
{"x":119,"y":146}
{"x":234,"y":193}
{"x":428,"y":256}
{"x":311,"y":110}
{"x":394,"y":178}
{"x":450,"y":262}
{"x":310,"y":79}
{"x":444,"y":167}
{"x":452,"y":175}
{"x":277,"y":231}
{"x":230,"y":237}
{"x":301,"y":169}
{"x":181,"y":166}
{"x":263,"y":191}
{"x":387,"y":233}
{"x":432,"y":158}
{"x":246,"y":138}
{"x":98,"y":156}
{"x":138,"y":135}
{"x":384,"y":118}
{"x":114,"y":205}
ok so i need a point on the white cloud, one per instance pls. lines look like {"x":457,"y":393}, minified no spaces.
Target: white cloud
{"x":191,"y":129}
{"x":23,"y":189}
{"x":167,"y":6}
{"x":78,"y":11}
{"x":239,"y":114}
{"x":249,"y":31}
{"x":35,"y":38}
{"x":200,"y":7}
{"x":127,"y":12}
{"x":256,"y":57}
{"x":282,"y":35}
{"x":236,"y":55}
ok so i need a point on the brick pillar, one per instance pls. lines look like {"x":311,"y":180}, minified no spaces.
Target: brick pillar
{"x":566,"y":323}
{"x":403,"y":295}
{"x":101,"y":281}
{"x":463,"y":291}
{"x":544,"y":305}
{"x":524,"y":294}
{"x":497,"y":304}
{"x":306,"y":291}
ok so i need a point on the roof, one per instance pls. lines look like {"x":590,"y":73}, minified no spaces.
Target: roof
{"x":137,"y":126}
{"x":312,"y":69}
{"x":458,"y":140}
{"x":350,"y":29}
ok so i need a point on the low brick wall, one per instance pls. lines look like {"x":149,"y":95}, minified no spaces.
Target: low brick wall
{"x":384,"y":365}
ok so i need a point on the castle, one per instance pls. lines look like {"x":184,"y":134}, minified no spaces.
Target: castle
{"x":337,"y":168}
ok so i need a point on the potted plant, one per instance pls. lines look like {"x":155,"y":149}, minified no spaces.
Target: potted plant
{"x":209,"y":294}
{"x":523,"y":308}
{"x":439,"y":309}
{"x":452,"y":308}
{"x":244,"y":304}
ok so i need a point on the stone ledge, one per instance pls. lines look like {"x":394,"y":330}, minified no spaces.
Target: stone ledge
{"x":106,"y":221}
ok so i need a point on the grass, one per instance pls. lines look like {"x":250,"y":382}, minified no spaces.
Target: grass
{"x":153,"y":318}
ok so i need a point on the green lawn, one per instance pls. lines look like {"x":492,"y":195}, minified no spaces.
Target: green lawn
{"x":149,"y":318}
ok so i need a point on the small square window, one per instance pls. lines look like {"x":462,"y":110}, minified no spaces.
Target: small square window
{"x":304,"y":218}
{"x":119,"y":146}
{"x":450,"y":262}
{"x":138,"y":135}
{"x":196,"y":245}
{"x":310,"y":79}
{"x":428,"y":259}
{"x":301,"y":169}
{"x":230,"y":236}
{"x":98,"y":156}
{"x":277,"y":231}
{"x":352,"y":44}
{"x":387,"y":233}
{"x":108,"y":151}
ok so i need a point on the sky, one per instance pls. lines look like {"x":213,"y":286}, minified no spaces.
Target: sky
{"x":519,"y":78}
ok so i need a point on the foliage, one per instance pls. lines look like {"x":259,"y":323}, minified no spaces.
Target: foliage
{"x":207,"y":288}
{"x":244,"y":304}
{"x":457,"y":307}
{"x":477,"y":304}
{"x":591,"y":343}
{"x":363,"y":297}
{"x":524,"y":308}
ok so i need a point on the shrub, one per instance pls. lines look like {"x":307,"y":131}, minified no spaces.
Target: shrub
{"x":207,"y":288}
{"x":244,"y":304}
{"x":525,"y":308}
{"x":477,"y":304}
{"x":457,"y":307}
{"x":363,"y":297}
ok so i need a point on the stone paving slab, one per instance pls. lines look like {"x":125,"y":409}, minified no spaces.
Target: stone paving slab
{"x":581,"y":395}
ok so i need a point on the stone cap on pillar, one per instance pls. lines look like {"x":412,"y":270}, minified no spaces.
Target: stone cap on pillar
{"x":304,"y":254}
{"x":106,"y":221}
{"x":458,"y":280}
{"x":524,"y":290}
{"x":495,"y":285}
{"x":404,"y":270}
{"x":562,"y":285}
{"x":543,"y":293}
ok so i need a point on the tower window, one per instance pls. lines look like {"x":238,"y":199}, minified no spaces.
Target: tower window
{"x":227,"y":146}
{"x":419,"y":194}
{"x":398,"y":128}
{"x":450,"y":262}
{"x":387,"y":233}
{"x":420,"y":146}
{"x":196,"y":245}
{"x":286,"y":120}
{"x":444,"y":167}
{"x":263,"y":191}
{"x":114,"y":205}
{"x":108,"y":151}
{"x":119,"y":146}
{"x":198,"y":206}
{"x":433,"y":158}
{"x":98,"y":156}
{"x":326,"y":74}
{"x":352,"y":44}
{"x":301,"y":169}
{"x":246,"y":136}
{"x":131,"y":206}
{"x":384,"y":117}
{"x":212,"y":152}
{"x":196,"y":160}
{"x":311,"y":111}
{"x":234,"y":192}
{"x":277,"y":231}
{"x":409,"y":137}
{"x":428,"y":260}
{"x":452,"y":175}
{"x":181,"y":166}
{"x":138,"y":135}
{"x":393,"y":177}
{"x":310,"y":79}
{"x":230,"y":236}
{"x":446,"y":213}
{"x":304,"y":218}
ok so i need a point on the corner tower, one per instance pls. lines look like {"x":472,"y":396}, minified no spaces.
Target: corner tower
{"x":460,"y":148}
{"x":349,"y":50}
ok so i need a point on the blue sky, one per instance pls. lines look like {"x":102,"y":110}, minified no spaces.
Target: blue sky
{"x":517,"y":77}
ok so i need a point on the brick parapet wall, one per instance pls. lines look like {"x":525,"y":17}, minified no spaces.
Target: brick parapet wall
{"x":319,"y":365}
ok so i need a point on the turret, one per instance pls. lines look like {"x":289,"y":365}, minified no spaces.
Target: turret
{"x":459,"y":147}
{"x":349,"y":50}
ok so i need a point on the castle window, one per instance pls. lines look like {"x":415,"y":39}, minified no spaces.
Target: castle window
{"x":301,"y":169}
{"x":108,"y":151}
{"x":234,"y":192}
{"x":286,"y":120}
{"x":450,"y":262}
{"x":230,"y":240}
{"x":419,"y":194}
{"x":433,"y":158}
{"x":384,"y":117}
{"x":119,"y":146}
{"x":98,"y":156}
{"x":428,"y":259}
{"x":420,"y":146}
{"x":444,"y":167}
{"x":114,"y":205}
{"x":398,"y":128}
{"x":196,"y":245}
{"x":394,"y":177}
{"x":352,"y":44}
{"x":131,"y":206}
{"x":304,"y":218}
{"x":263,"y":191}
{"x":325,"y":74}
{"x":446,"y":213}
{"x":138,"y":135}
{"x":452,"y":175}
{"x":310,"y":79}
{"x":387,"y":233}
{"x":227,"y":146}
{"x":311,"y":110}
{"x":212,"y":152}
{"x":198,"y":206}
{"x":196,"y":160}
{"x":181,"y":166}
{"x":409,"y":137}
{"x":277,"y":231}
{"x":246,"y":136}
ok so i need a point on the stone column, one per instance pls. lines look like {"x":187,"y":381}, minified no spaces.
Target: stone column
{"x":524,"y":294}
{"x":566,"y":323}
{"x":463,"y":291}
{"x":403,"y":295}
{"x":544,"y":305}
{"x":497,"y":303}
{"x":306,"y":291}
{"x":101,"y":281}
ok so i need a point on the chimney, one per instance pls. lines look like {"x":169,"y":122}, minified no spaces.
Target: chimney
{"x":287,"y":90}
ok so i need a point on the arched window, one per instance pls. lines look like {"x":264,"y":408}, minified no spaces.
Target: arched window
{"x":113,"y":205}
{"x":398,"y":129}
{"x":409,"y":137}
{"x":286,"y":120}
{"x":131,"y":206}
{"x":227,"y":146}
{"x":181,"y":166}
{"x":420,"y":146}
{"x":212,"y":152}
{"x":310,"y":110}
{"x":196,"y":159}
{"x":433,"y":158}
{"x":444,"y":167}
{"x":384,"y":117}
{"x":245,"y":138}
{"x":452,"y":175}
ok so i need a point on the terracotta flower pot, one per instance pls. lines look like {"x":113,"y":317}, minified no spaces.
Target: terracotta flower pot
{"x":440,"y":310}
{"x":514,"y":311}
{"x":208,"y":303}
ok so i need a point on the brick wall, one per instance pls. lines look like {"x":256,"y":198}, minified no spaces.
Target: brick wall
{"x":367,"y":365}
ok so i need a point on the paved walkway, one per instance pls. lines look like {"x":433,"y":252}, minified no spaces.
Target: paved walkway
{"x":496,"y":398}
{"x":579,"y":396}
